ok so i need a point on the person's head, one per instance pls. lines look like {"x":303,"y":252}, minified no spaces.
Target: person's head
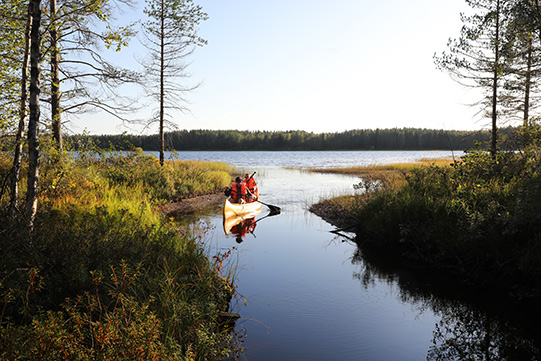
{"x":246,"y":176}
{"x":238,"y":180}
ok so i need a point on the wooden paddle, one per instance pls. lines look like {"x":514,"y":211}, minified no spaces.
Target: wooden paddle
{"x":273,"y":209}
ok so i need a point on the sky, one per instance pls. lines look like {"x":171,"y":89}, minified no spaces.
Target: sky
{"x":319,"y":66}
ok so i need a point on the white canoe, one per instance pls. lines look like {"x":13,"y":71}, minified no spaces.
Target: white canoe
{"x":237,"y":209}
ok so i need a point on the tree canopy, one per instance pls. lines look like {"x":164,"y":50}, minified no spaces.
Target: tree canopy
{"x":367,"y":139}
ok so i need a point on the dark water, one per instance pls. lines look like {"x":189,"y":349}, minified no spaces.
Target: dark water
{"x":308,"y":294}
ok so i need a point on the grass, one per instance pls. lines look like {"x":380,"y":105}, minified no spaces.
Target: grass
{"x":385,"y":168}
{"x":104,"y":275}
{"x":394,"y":173}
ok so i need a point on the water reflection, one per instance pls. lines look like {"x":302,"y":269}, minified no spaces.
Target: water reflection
{"x":239,"y":226}
{"x":465,"y":333}
{"x":473,"y":325}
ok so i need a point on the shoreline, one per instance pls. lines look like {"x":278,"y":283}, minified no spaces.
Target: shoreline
{"x":193,"y":204}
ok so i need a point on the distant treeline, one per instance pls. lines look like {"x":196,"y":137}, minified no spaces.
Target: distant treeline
{"x":368,"y":139}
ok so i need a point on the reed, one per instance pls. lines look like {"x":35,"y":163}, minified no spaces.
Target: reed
{"x":386,"y":168}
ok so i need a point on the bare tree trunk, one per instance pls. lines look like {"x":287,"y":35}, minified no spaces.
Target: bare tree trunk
{"x":496,"y":75}
{"x":33,"y":126}
{"x":55,"y":82}
{"x":528,"y":84}
{"x":23,"y":113}
{"x":162,"y":85}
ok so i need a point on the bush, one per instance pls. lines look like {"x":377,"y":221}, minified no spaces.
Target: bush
{"x":480,"y":217}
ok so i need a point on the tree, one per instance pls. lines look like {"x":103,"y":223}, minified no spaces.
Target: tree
{"x":13,"y":15}
{"x":23,"y":114}
{"x":80,"y":76}
{"x":520,"y":94}
{"x":14,"y":55}
{"x":475,"y":58}
{"x":171,"y":35}
{"x":69,"y":25}
{"x":55,"y":75}
{"x":33,"y":120}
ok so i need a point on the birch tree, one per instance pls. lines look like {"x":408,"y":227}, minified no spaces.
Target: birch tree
{"x":23,"y":114}
{"x":15,"y":22}
{"x":171,"y":35}
{"x":81,"y":78}
{"x":33,"y":120}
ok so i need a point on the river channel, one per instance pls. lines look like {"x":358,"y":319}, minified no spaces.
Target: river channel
{"x":308,"y":294}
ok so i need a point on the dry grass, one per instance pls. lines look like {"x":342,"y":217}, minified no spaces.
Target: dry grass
{"x":389,"y":170}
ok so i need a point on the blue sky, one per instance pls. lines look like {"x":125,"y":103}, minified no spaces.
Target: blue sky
{"x":320,"y":66}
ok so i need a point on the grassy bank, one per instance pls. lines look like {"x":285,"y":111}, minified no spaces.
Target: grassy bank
{"x":104,"y":275}
{"x":479,"y":218}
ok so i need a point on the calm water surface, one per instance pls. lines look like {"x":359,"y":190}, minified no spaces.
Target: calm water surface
{"x":308,"y":294}
{"x":307,"y":159}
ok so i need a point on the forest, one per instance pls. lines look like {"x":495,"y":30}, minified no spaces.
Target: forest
{"x":367,"y":139}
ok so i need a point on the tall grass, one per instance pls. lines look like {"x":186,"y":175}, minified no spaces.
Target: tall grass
{"x":104,"y":276}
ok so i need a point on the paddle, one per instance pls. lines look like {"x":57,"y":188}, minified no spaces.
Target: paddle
{"x":271,"y":214}
{"x":273,"y":209}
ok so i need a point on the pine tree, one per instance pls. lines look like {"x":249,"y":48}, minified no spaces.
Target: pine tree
{"x":475,"y":58}
{"x":171,"y":35}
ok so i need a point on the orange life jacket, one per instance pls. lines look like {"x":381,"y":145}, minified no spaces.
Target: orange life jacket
{"x":251,"y":185}
{"x":238,"y":191}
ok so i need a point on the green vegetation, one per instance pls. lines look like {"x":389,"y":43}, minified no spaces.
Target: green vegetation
{"x":103,"y":275}
{"x":368,"y":139}
{"x":479,"y":218}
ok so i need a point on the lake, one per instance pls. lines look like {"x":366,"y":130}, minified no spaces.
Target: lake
{"x":305,"y":293}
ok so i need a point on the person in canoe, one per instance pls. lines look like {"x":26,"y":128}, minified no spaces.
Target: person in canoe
{"x":251,"y":187}
{"x":238,"y":191}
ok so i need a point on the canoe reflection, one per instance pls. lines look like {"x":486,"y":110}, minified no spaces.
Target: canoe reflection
{"x":240,"y":226}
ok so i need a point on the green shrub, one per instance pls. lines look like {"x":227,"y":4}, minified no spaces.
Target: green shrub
{"x":482,"y":216}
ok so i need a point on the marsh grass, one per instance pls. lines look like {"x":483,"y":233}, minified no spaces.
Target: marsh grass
{"x":386,"y":169}
{"x":387,"y":175}
{"x":104,"y":276}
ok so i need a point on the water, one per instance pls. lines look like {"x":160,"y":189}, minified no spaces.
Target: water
{"x":308,"y":159}
{"x":308,"y":294}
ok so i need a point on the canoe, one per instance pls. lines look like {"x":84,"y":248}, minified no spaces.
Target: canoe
{"x":237,"y":209}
